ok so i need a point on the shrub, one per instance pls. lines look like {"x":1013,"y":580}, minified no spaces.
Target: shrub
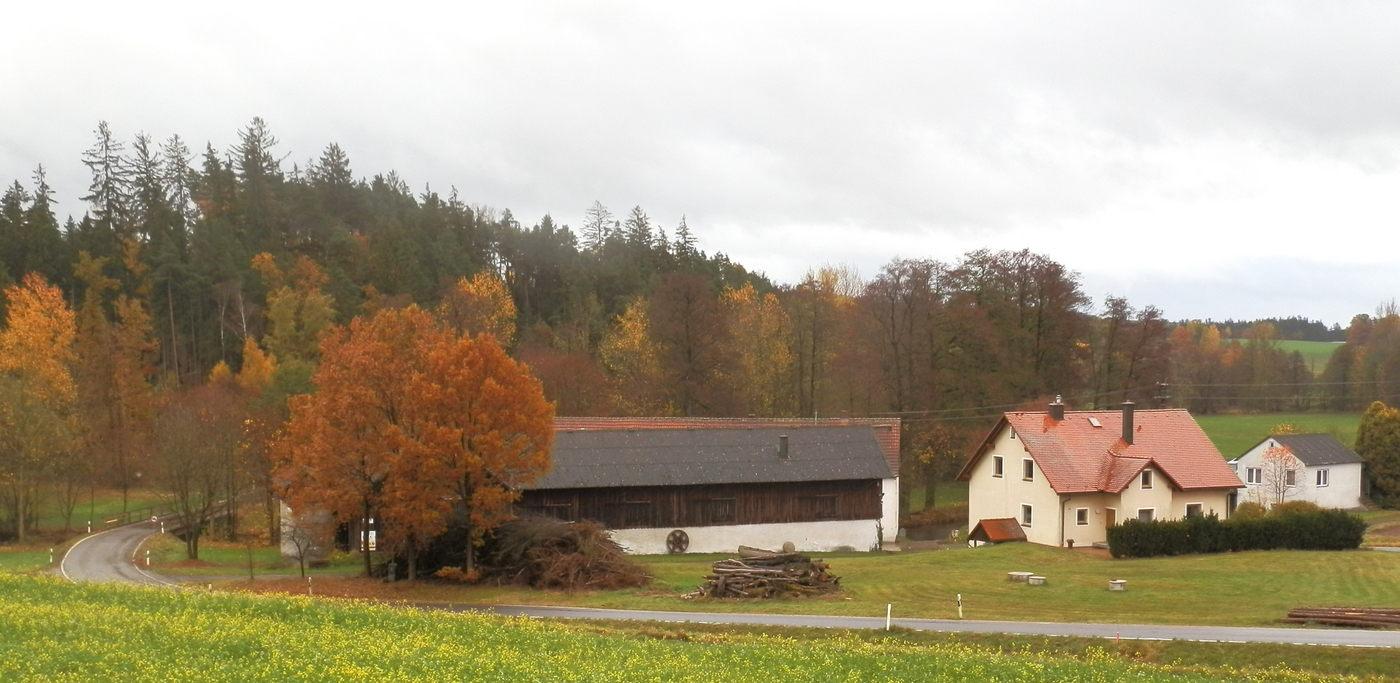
{"x":1295,"y":506}
{"x":1250,"y":510}
{"x":1294,"y":529}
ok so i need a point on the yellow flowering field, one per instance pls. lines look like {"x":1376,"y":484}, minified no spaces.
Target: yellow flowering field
{"x":56,"y":631}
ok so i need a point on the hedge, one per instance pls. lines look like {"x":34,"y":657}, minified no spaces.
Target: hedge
{"x":1319,"y":530}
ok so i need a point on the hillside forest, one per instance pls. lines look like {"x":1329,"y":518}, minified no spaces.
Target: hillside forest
{"x":157,"y":338}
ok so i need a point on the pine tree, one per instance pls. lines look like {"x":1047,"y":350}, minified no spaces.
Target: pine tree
{"x":597,"y":226}
{"x":108,"y":195}
{"x":637,"y":229}
{"x":685,"y":243}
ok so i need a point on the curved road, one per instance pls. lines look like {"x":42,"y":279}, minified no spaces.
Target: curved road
{"x":110,"y":556}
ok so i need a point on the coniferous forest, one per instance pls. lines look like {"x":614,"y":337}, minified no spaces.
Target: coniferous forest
{"x":191,"y":264}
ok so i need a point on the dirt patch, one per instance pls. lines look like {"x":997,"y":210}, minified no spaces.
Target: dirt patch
{"x":1392,"y":531}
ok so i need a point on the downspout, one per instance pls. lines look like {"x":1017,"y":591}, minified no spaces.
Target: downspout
{"x":1064,"y":500}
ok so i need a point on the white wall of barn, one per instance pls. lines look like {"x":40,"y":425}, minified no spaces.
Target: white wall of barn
{"x":821,"y":537}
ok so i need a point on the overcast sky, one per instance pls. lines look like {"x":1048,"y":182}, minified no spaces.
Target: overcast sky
{"x":1214,"y":159}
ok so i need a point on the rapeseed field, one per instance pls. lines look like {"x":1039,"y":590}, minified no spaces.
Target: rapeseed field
{"x":56,"y":631}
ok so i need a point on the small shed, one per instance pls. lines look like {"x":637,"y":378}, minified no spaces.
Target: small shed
{"x":1002,"y":530}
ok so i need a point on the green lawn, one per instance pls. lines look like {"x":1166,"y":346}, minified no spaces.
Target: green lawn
{"x":1221,"y":589}
{"x":946,"y":493}
{"x":53,"y":630}
{"x":218,"y":558}
{"x":16,"y":560}
{"x":102,"y":503}
{"x":1235,"y":434}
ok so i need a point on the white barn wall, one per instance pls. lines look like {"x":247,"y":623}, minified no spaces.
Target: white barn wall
{"x":889,"y":509}
{"x":822,"y":537}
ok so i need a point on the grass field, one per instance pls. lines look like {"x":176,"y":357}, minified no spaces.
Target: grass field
{"x":50,"y":630}
{"x":1315,"y":354}
{"x":1235,"y":434}
{"x":101,"y":503}
{"x":1200,"y":589}
{"x":15,"y":560}
{"x":217,"y":558}
{"x":946,"y":493}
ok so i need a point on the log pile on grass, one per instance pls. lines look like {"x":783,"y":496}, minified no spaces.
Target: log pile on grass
{"x":764,"y":574}
{"x":1360,"y":617}
{"x":546,"y":553}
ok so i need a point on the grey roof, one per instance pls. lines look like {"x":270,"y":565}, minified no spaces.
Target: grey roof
{"x":1317,"y":449}
{"x":599,"y":458}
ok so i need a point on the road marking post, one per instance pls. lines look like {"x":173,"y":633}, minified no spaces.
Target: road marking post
{"x":162,"y":526}
{"x":148,"y":559}
{"x":308,"y":587}
{"x":960,"y":605}
{"x":888,"y":609}
{"x":89,"y":526}
{"x":50,"y":555}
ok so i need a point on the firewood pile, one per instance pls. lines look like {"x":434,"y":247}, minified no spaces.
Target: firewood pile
{"x":763,"y":574}
{"x":1363,"y":617}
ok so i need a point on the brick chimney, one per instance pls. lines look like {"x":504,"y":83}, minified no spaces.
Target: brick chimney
{"x":1128,"y":422}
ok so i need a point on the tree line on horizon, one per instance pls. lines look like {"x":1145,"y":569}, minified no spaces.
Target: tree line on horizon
{"x":230,"y":265}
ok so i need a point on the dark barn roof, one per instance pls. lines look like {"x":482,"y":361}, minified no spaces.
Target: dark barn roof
{"x":686,"y":457}
{"x":1317,"y":449}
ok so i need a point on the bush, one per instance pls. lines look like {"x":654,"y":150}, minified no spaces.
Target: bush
{"x":1250,"y":510}
{"x":1295,"y":529}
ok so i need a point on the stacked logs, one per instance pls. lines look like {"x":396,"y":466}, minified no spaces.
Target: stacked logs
{"x":1363,"y":617}
{"x":763,"y":574}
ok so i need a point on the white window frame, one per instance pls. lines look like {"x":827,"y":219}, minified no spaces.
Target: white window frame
{"x":1027,"y":514}
{"x":1253,"y":475}
{"x":1145,"y":480}
{"x":1290,"y":478}
{"x":1153,"y":512}
{"x":1077,"y":513}
{"x":1027,"y":469}
{"x":1324,"y":477}
{"x":998,"y":465}
{"x":1187,"y":509}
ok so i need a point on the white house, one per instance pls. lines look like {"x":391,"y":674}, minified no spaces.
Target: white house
{"x":1068,"y":476}
{"x":1313,"y":467}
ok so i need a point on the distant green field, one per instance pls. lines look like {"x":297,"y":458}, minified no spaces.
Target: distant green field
{"x":947,"y":493}
{"x":1235,"y":434}
{"x":1315,"y":353}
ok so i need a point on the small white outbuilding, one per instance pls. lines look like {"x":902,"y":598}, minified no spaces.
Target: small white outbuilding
{"x":1313,"y":467}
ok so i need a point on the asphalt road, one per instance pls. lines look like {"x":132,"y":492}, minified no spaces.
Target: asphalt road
{"x":1224,"y":634}
{"x":110,"y":556}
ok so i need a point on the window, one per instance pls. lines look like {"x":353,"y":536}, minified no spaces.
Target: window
{"x":1028,"y":469}
{"x":1094,"y":422}
{"x":1290,"y":478}
{"x":1253,"y":475}
{"x":817,"y":507}
{"x":1147,"y":479}
{"x":997,"y":465}
{"x":1081,"y":516}
{"x":1147,"y":514}
{"x":1025,"y":515}
{"x":1013,"y":434}
{"x":1322,"y":477}
{"x":1193,"y":510}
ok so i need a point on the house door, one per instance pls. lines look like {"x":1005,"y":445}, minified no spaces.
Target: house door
{"x":1110,"y":517}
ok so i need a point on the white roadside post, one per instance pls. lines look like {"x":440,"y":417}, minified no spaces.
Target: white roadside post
{"x":888,"y":610}
{"x":50,"y":555}
{"x":960,"y":606}
{"x":148,"y":559}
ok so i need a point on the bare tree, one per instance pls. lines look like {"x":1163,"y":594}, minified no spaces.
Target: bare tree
{"x":1280,"y":472}
{"x":196,"y":436}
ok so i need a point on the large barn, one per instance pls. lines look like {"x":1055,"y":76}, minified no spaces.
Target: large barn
{"x":711,"y":485}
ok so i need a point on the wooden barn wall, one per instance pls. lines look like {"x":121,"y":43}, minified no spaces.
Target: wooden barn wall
{"x":715,"y":505}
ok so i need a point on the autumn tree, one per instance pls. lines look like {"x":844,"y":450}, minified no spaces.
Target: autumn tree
{"x":410,"y":421}
{"x":688,"y":330}
{"x":36,"y":389}
{"x":1281,"y":472}
{"x":197,"y":437}
{"x":480,"y":304}
{"x":629,"y":356}
{"x":757,"y":344}
{"x":1378,"y":444}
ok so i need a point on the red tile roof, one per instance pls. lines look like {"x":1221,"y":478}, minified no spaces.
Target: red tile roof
{"x":997,"y":531}
{"x":1077,"y":457}
{"x":886,"y":428}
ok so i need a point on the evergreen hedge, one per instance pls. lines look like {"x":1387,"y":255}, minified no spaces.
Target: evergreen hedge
{"x":1293,"y":530}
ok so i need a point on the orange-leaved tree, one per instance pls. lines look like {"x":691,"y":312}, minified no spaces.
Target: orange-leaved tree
{"x":36,"y":388}
{"x":407,"y":420}
{"x":480,"y":304}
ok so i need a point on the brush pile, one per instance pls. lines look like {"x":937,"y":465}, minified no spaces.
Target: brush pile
{"x":763,"y":574}
{"x":546,"y":553}
{"x":1362,"y":617}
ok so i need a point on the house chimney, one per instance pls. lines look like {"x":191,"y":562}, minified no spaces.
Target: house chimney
{"x":1057,"y":410}
{"x":783,"y":447}
{"x":1128,"y":422}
